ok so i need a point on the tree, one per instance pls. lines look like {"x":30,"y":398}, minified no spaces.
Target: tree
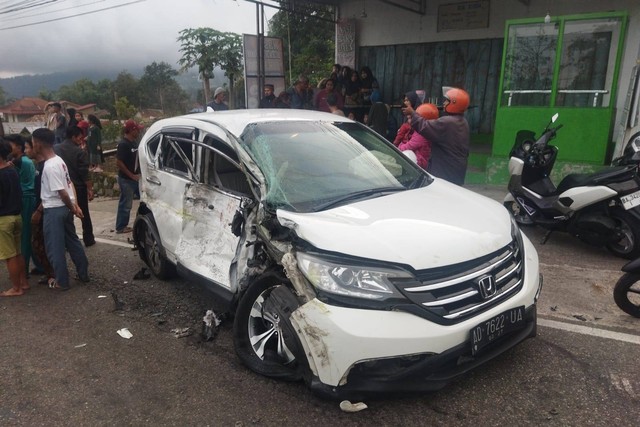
{"x":126,"y":85}
{"x":81,"y":92}
{"x":124,"y":109}
{"x":309,"y":34}
{"x":160,"y":90}
{"x":3,"y":96}
{"x":206,"y":48}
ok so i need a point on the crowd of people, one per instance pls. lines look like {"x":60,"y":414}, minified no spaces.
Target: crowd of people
{"x":345,"y":91}
{"x":44,"y":183}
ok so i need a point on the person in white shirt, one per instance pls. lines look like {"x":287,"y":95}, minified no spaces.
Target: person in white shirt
{"x":58,"y":207}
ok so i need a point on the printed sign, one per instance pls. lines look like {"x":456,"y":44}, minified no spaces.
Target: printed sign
{"x":463,"y":16}
{"x":273,"y":56}
{"x":346,"y":42}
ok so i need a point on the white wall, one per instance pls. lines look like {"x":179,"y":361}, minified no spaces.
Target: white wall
{"x":389,"y":25}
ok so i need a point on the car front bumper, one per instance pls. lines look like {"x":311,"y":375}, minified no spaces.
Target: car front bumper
{"x":357,"y":352}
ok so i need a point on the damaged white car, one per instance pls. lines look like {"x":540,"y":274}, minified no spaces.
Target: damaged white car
{"x":344,"y":263}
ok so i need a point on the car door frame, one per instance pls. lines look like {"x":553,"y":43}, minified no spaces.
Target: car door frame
{"x":208,"y":248}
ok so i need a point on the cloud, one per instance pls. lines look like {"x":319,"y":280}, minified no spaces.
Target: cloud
{"x":123,"y":38}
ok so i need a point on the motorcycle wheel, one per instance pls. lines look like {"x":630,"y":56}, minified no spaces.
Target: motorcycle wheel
{"x":518,"y":213}
{"x":626,"y":294}
{"x":629,"y":245}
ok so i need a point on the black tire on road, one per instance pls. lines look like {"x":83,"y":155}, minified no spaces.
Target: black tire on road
{"x":262,"y":334}
{"x":626,"y":294}
{"x":629,"y":245}
{"x":159,"y":266}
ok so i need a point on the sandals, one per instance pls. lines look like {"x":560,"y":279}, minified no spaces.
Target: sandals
{"x":53,"y":284}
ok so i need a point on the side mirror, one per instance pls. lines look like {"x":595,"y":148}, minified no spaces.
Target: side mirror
{"x":554,"y":118}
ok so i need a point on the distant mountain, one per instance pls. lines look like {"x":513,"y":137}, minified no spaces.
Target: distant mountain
{"x":31,"y":85}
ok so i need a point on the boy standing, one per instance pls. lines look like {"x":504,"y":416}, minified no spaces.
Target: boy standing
{"x":11,"y":224}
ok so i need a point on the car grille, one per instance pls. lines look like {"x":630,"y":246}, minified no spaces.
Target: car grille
{"x":454,"y":293}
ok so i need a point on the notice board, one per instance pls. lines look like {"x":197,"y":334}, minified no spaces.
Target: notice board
{"x":466,"y":15}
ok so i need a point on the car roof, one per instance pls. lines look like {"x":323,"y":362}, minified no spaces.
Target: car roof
{"x":235,"y":121}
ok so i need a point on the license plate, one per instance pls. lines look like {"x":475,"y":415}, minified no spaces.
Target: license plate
{"x":630,"y":200}
{"x":491,"y":329}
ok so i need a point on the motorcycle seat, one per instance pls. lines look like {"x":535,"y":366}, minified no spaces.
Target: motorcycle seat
{"x":601,"y":177}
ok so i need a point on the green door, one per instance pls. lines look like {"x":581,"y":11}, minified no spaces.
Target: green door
{"x":567,"y":66}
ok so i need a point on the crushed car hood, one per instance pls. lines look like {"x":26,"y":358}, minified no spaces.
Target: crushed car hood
{"x":436,"y":225}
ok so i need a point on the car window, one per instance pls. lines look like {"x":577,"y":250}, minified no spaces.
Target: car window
{"x":307,"y":165}
{"x":152,"y":146}
{"x":220,"y":168}
{"x":176,"y":155}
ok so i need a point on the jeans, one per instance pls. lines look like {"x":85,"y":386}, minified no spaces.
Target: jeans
{"x":60,"y":234}
{"x":127,"y":188}
{"x":83,"y":202}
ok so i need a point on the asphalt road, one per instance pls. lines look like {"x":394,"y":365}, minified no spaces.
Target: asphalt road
{"x":64,"y":363}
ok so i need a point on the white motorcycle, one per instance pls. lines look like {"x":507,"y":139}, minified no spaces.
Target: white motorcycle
{"x":601,"y":209}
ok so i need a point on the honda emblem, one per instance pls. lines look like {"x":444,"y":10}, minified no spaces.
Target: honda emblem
{"x":487,"y":286}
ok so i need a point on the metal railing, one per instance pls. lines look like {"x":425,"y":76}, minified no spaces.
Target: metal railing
{"x":596,"y":93}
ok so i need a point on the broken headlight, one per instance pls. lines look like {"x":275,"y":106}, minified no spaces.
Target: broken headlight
{"x":350,"y":280}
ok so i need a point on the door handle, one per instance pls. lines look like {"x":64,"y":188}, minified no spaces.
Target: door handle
{"x":153,"y":180}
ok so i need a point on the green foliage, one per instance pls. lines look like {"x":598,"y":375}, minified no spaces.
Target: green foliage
{"x":160,"y":90}
{"x":205,"y":49}
{"x":127,"y":86}
{"x":124,"y":109}
{"x":3,"y":96}
{"x":112,"y":132}
{"x":311,"y":35}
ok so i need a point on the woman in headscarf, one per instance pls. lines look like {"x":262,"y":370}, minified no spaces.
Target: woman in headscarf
{"x":405,"y":131}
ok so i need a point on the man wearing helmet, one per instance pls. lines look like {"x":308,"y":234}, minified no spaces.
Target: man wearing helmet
{"x":449,"y":136}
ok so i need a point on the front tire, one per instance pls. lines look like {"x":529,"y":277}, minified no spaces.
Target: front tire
{"x":263,"y":336}
{"x":629,"y":244}
{"x":626,"y":294}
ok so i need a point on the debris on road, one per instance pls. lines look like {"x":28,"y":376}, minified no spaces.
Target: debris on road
{"x":101,"y":296}
{"x":347,"y":406}
{"x":210,"y":325}
{"x":580,"y":317}
{"x":118,"y":305}
{"x":125,"y":333}
{"x":181,"y":332}
{"x":81,"y":345}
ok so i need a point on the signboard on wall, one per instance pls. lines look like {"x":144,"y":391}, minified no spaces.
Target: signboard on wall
{"x":346,"y":42}
{"x":273,"y":67}
{"x":466,"y":15}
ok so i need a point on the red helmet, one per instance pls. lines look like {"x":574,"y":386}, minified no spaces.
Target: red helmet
{"x":458,"y":101}
{"x":428,"y":111}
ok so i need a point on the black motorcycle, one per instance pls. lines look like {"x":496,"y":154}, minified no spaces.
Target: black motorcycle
{"x":626,"y":293}
{"x":601,"y":209}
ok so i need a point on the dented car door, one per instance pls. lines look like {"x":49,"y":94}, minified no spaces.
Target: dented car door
{"x":207,"y":245}
{"x":166,"y":184}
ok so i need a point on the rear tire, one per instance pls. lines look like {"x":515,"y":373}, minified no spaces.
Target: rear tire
{"x":629,"y":245}
{"x":263,"y":336}
{"x":151,"y":253}
{"x":518,"y":213}
{"x":626,"y":294}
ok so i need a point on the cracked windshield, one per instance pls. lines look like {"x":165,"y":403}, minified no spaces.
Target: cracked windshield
{"x":312,"y":166}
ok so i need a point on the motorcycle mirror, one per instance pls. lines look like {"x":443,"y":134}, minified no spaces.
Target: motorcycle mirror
{"x":554,"y":118}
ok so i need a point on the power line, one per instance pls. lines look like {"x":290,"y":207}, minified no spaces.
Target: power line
{"x":49,"y":12}
{"x":71,"y":16}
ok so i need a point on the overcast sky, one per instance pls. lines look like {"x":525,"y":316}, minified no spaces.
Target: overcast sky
{"x":119,"y":38}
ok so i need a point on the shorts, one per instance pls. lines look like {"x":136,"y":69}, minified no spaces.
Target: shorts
{"x":10,"y":231}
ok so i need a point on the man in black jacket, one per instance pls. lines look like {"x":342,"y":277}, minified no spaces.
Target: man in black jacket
{"x":78,"y":164}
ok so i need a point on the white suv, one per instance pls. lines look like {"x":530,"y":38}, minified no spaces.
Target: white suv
{"x":344,"y":263}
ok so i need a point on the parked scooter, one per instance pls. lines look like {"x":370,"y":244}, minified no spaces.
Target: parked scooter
{"x":601,"y":209}
{"x":626,"y":293}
